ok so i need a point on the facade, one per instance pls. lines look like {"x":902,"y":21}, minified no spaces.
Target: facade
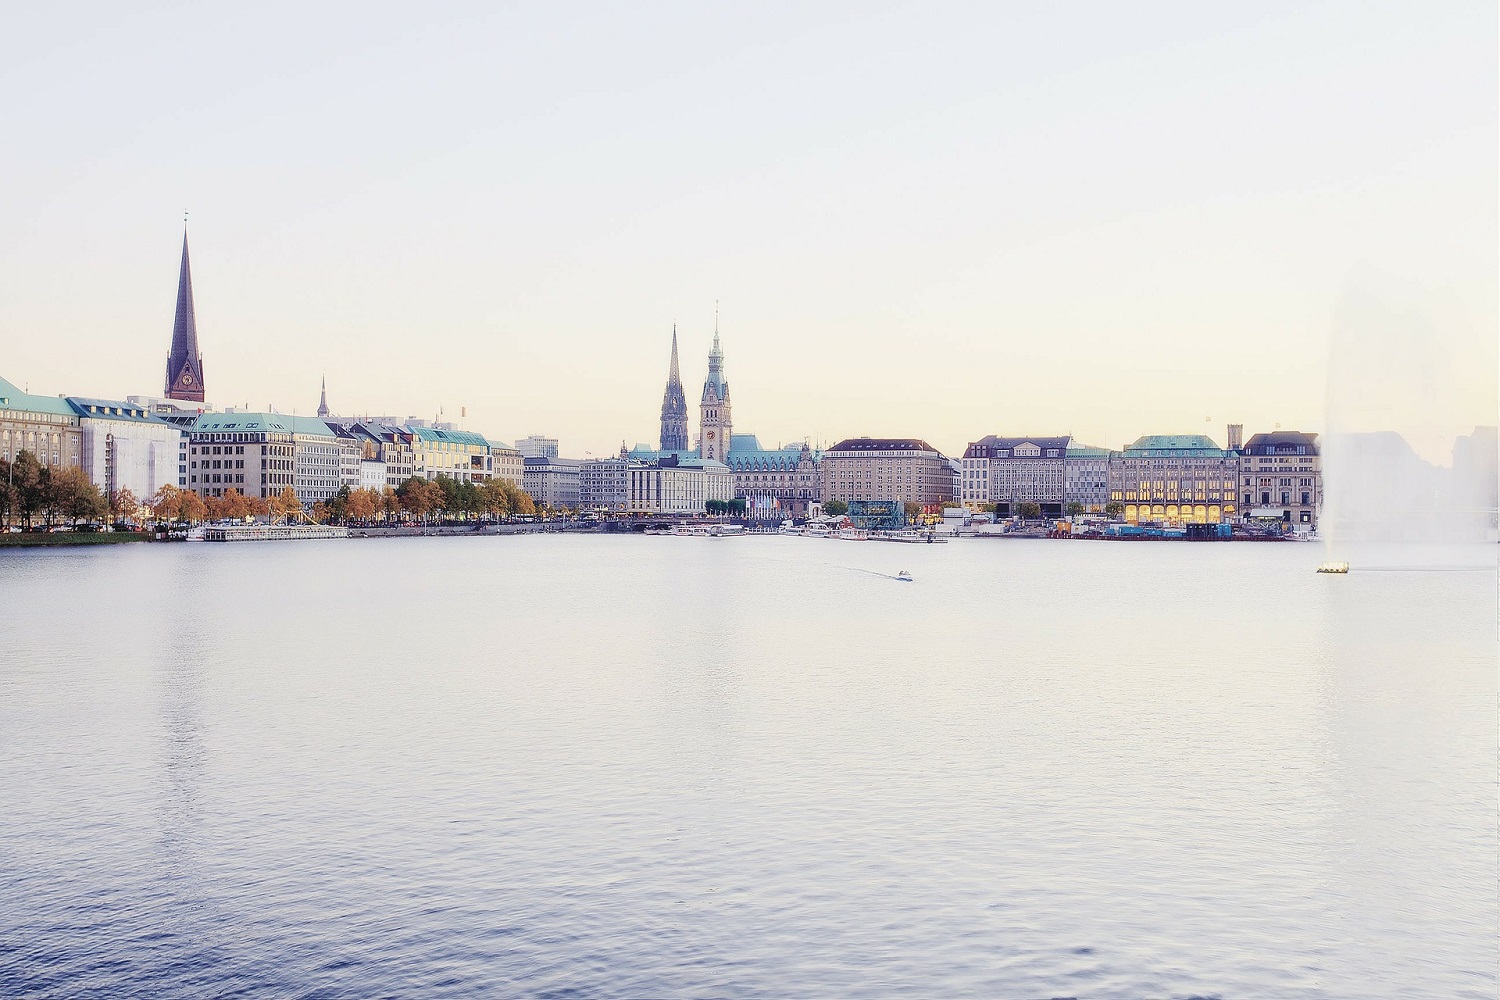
{"x":677,"y":486}
{"x":536,"y":446}
{"x":46,"y":426}
{"x":317,"y":460}
{"x":1009,"y":471}
{"x":439,"y":451}
{"x":908,"y":470}
{"x":373,"y":475}
{"x":1281,"y":478}
{"x":604,"y":483}
{"x":350,"y":454}
{"x":774,"y":482}
{"x":674,"y":414}
{"x":184,"y":362}
{"x":552,"y":482}
{"x":125,"y":447}
{"x":249,"y":452}
{"x":505,"y":463}
{"x":1086,"y":477}
{"x":1175,"y":479}
{"x":715,"y":423}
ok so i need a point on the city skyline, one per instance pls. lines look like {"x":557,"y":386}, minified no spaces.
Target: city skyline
{"x":972,"y":241}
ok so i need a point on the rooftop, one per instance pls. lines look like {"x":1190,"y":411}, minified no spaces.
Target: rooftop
{"x":1175,"y":446}
{"x":883,"y":444}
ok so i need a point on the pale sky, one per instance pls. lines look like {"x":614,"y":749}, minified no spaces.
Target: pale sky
{"x":932,"y":220}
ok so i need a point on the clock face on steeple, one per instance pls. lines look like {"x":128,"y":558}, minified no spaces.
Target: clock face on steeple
{"x":187,"y":378}
{"x":710,"y":435}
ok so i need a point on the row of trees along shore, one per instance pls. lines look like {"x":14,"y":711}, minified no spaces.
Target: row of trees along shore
{"x":32,"y":494}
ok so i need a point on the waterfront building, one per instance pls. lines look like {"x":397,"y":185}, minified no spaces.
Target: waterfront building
{"x":1009,"y":471}
{"x":678,"y":486}
{"x":185,"y":362}
{"x":604,"y":483}
{"x":715,"y":423}
{"x":552,"y":482}
{"x":350,"y":452}
{"x":125,"y":447}
{"x":780,"y":481}
{"x":674,"y":414}
{"x":906,"y":469}
{"x":1175,"y":479}
{"x":373,"y":475}
{"x":1086,"y":477}
{"x":390,"y":444}
{"x":441,"y":451}
{"x":249,"y":452}
{"x":1281,"y":478}
{"x":506,"y":463}
{"x":537,"y":446}
{"x":46,"y":426}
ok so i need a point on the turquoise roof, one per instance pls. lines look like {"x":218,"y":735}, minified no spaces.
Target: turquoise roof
{"x":1175,"y":446}
{"x":260,"y":422}
{"x":450,"y":437}
{"x":11,"y":397}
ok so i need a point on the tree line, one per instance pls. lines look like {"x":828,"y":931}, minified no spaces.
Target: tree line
{"x":31,"y":492}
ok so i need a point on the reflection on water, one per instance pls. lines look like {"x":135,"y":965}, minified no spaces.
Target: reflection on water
{"x":625,"y":767}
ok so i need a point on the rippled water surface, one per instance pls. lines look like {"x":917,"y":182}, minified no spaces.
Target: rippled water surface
{"x":624,"y":767}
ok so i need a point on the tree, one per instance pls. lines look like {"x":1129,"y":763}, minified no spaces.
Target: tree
{"x":321,"y":512}
{"x":70,"y":495}
{"x":123,"y":504}
{"x":257,"y":507}
{"x":1114,"y":510}
{"x":166,"y":503}
{"x":837,"y":508}
{"x":338,"y":504}
{"x":495,"y":498}
{"x":415,"y":498}
{"x":1074,"y":508}
{"x":235,"y":504}
{"x":913,"y":511}
{"x":193,"y":509}
{"x":521,"y":502}
{"x":1029,"y":510}
{"x":285,"y":505}
{"x":28,"y":494}
{"x":390,"y":504}
{"x":361,"y":505}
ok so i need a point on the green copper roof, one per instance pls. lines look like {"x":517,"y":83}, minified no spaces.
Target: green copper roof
{"x":12,"y":398}
{"x":260,"y":423}
{"x":450,"y":437}
{"x":1175,"y":446}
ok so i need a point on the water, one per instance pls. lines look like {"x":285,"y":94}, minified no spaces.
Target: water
{"x":621,"y":767}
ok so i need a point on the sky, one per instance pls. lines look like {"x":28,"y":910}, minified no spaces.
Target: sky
{"x":926,"y":220}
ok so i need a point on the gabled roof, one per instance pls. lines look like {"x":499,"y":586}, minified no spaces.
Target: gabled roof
{"x":987,"y":446}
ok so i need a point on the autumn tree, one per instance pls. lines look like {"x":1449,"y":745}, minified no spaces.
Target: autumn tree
{"x":286,"y":505}
{"x":70,"y":495}
{"x":361,"y":505}
{"x":257,"y":507}
{"x":166,"y":503}
{"x":193,"y":510}
{"x":26,"y":478}
{"x":235,"y":505}
{"x":123,"y":504}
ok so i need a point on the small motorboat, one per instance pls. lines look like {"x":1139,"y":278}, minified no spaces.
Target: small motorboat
{"x":904,"y":576}
{"x":1334,"y":567}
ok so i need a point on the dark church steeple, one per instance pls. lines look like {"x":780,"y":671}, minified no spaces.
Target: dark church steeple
{"x":185,"y":363}
{"x":323,"y":410}
{"x":674,"y":415}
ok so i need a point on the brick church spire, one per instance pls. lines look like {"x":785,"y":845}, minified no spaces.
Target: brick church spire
{"x":185,"y":363}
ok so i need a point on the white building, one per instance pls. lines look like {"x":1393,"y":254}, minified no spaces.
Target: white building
{"x":1086,"y":477}
{"x":552,"y":482}
{"x":372,"y":474}
{"x":678,"y":486}
{"x":537,"y":446}
{"x":126,"y":448}
{"x":604,"y":483}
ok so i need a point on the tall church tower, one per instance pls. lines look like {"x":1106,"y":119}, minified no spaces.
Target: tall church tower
{"x":185,"y":364}
{"x":714,"y":421}
{"x":323,"y":410}
{"x":674,"y":417}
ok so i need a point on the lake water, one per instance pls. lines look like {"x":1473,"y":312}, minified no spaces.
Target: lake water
{"x":626,"y":767}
